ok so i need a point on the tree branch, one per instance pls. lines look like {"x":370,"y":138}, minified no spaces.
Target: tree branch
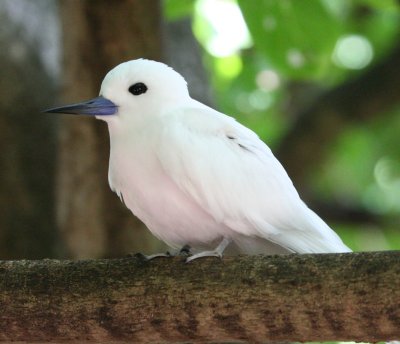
{"x":322,"y":297}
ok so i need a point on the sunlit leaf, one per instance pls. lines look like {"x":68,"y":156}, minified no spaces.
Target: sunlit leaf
{"x":296,"y":36}
{"x":176,"y":9}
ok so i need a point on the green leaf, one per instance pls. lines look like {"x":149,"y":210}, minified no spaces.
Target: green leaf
{"x":177,"y":9}
{"x":296,"y":36}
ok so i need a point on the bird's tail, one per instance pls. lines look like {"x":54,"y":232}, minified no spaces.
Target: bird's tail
{"x":306,"y":242}
{"x":312,"y":235}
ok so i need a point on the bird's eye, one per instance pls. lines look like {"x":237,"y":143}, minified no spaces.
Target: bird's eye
{"x":138,"y":88}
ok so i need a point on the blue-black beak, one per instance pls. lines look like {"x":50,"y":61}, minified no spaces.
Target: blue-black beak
{"x":99,"y":106}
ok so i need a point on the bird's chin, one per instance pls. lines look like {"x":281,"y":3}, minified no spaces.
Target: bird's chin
{"x":106,"y":118}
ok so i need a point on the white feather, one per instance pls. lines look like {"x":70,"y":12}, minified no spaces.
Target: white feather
{"x":234,"y":176}
{"x":195,"y":176}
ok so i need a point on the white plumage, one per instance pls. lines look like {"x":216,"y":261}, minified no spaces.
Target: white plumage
{"x":196,"y":176}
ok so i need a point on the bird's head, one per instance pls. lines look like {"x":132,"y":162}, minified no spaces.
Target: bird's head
{"x":133,"y":88}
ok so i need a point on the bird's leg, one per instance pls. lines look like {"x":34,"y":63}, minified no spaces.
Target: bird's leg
{"x":184,"y":251}
{"x":217,"y":252}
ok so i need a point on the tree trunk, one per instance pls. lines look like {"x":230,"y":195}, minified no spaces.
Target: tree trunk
{"x":27,"y":145}
{"x":178,"y":37}
{"x":96,"y":37}
{"x":324,"y":297}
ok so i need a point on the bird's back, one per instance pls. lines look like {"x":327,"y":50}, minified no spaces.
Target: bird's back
{"x":234,"y":177}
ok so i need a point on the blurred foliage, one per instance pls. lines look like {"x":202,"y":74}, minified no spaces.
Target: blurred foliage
{"x":268,"y":59}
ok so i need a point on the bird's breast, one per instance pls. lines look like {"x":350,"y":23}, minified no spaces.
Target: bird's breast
{"x":147,"y":190}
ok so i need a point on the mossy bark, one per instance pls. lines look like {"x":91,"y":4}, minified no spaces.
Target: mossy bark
{"x":322,"y":297}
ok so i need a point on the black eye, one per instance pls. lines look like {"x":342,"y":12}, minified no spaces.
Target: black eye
{"x":138,"y":88}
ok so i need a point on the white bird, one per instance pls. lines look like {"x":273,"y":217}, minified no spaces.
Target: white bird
{"x":194,"y":175}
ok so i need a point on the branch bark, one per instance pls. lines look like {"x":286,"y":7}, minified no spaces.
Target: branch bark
{"x":322,"y":297}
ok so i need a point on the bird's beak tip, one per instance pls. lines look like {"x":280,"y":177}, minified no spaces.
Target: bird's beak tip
{"x":99,"y":106}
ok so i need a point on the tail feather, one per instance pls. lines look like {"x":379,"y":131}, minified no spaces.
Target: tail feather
{"x":312,"y":235}
{"x":309,"y":234}
{"x":306,"y":242}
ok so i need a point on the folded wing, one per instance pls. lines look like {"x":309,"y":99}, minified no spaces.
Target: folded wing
{"x":234,"y":176}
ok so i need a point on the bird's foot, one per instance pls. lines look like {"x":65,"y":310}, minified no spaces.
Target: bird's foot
{"x":204,"y":254}
{"x":184,"y":251}
{"x":214,"y":253}
{"x":152,"y":256}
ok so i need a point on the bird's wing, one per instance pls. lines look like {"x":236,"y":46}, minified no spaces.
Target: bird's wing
{"x":234,"y":176}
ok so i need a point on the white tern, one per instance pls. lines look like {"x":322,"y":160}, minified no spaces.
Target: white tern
{"x":196,"y":176}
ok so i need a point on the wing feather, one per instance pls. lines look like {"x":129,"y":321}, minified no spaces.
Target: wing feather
{"x":234,"y":176}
